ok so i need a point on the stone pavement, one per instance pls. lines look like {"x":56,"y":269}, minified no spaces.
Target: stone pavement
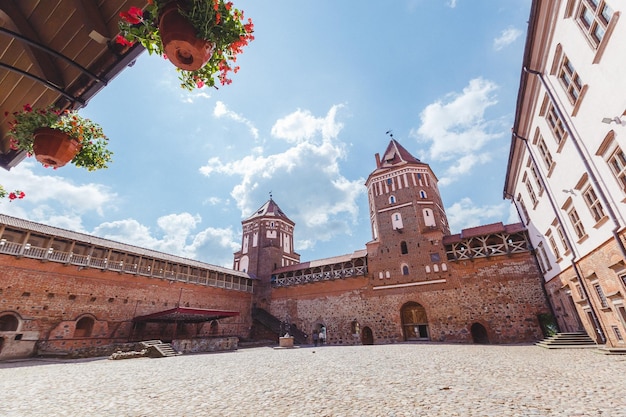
{"x":382,"y":380}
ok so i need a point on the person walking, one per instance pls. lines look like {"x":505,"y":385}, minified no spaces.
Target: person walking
{"x":315,"y":336}
{"x":322,"y":335}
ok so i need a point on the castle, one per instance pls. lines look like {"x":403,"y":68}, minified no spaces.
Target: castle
{"x":67,"y":293}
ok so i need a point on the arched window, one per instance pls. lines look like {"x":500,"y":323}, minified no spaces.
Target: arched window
{"x":84,"y":327}
{"x":422,"y":194}
{"x":8,"y":323}
{"x":392,"y":199}
{"x":396,"y":221}
{"x":405,"y":270}
{"x":403,"y":248}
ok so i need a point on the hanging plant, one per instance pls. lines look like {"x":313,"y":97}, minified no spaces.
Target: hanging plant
{"x":215,"y":22}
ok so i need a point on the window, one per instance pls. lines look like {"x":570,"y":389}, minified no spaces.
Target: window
{"x":389,"y":181}
{"x":593,"y":17}
{"x":617,"y":163}
{"x":535,"y":174}
{"x":559,"y":231}
{"x":544,"y":255}
{"x":591,"y":199}
{"x":422,"y":194}
{"x":523,"y":208}
{"x":618,"y":334}
{"x":403,"y":248}
{"x":546,"y":156}
{"x":405,"y":270}
{"x":581,"y":294}
{"x":396,"y":221}
{"x":531,"y":191}
{"x":392,"y":199}
{"x":603,"y":302}
{"x":434,"y":257}
{"x":540,"y":259}
{"x":570,"y":80}
{"x":576,"y":223}
{"x":556,"y":125}
{"x":552,"y":242}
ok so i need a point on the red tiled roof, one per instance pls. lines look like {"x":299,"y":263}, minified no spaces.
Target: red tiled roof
{"x":189,"y":315}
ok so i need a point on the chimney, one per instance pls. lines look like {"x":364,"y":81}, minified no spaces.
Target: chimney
{"x":377,"y":161}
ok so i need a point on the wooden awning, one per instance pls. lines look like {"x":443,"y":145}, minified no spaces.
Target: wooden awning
{"x":187,"y":315}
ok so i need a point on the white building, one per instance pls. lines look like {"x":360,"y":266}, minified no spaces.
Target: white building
{"x":566,"y":173}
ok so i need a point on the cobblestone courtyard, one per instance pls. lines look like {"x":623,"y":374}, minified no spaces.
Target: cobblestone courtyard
{"x":382,"y":380}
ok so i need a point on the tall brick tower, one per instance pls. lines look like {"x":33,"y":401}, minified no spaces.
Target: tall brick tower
{"x":407,"y":218}
{"x":266,"y":244}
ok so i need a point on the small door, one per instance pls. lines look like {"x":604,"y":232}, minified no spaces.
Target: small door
{"x":414,"y":322}
{"x":479,"y":334}
{"x":367,"y":337}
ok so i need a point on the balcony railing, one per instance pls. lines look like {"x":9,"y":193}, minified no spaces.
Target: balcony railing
{"x":205,"y":277}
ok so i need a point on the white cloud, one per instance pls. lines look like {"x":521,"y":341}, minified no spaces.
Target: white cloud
{"x":452,"y":4}
{"x":53,"y":197}
{"x":327,"y":205}
{"x":456,"y":130}
{"x":507,"y":37}
{"x":220,"y":110}
{"x":464,"y":214}
{"x":301,"y":126}
{"x":175,"y":235}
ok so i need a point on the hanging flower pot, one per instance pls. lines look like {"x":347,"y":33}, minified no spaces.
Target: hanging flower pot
{"x":53,"y":147}
{"x":201,"y":37}
{"x":180,"y":43}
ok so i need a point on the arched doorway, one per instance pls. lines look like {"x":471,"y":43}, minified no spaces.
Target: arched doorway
{"x":84,"y":327}
{"x":414,"y":321}
{"x":367,"y":337}
{"x":8,"y":323}
{"x":479,"y":334}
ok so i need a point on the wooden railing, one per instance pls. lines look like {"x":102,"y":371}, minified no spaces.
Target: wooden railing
{"x":353,"y":268}
{"x":206,"y":276}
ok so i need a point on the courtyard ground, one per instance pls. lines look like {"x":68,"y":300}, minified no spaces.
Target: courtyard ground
{"x":382,"y":380}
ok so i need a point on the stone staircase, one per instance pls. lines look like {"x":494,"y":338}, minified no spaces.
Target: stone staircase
{"x":158,"y":349}
{"x":577,"y":340}
{"x":275,"y":325}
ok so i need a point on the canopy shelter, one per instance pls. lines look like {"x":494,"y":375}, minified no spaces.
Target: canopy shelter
{"x":180,"y":317}
{"x":186,"y":315}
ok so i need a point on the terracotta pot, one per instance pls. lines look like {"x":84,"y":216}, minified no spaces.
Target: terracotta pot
{"x":53,"y":147}
{"x":180,"y":43}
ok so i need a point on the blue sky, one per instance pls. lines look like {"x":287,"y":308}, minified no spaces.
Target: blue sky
{"x":317,"y":90}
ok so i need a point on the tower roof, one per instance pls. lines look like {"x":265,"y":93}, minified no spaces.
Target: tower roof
{"x":396,"y":154}
{"x":269,"y":209}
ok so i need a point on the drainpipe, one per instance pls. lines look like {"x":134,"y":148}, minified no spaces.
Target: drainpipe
{"x":564,"y":229}
{"x":594,"y":179}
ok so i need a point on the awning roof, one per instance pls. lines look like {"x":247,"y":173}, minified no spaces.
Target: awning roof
{"x":188,"y":315}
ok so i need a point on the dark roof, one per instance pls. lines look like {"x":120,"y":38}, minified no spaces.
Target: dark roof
{"x":396,"y":154}
{"x":270,"y":208}
{"x":187,"y":315}
{"x":51,"y":231}
{"x":57,"y":52}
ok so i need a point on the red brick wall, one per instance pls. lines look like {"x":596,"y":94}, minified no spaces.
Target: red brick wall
{"x":50,"y":298}
{"x":501,"y":293}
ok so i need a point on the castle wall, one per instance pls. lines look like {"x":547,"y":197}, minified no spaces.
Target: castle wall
{"x":500,"y":293}
{"x":49,"y":299}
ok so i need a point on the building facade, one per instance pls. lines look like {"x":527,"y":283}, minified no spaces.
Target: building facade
{"x":567,"y":168}
{"x":415,"y":281}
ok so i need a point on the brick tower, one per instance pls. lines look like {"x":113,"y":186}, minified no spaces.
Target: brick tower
{"x":266,"y":244}
{"x":407,"y":217}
